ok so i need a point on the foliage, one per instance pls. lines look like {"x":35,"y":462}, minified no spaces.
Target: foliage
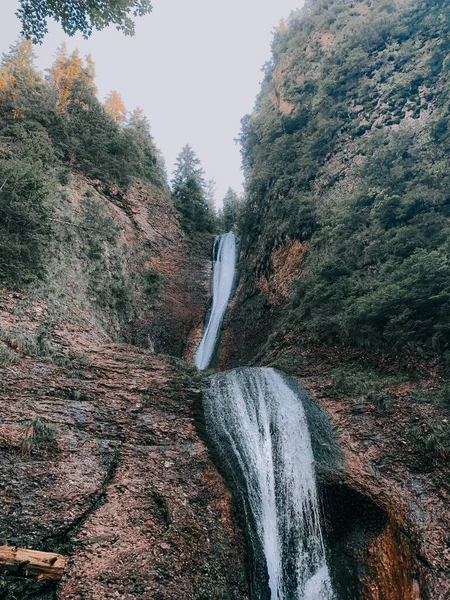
{"x":364,"y":384}
{"x":115,"y":107}
{"x":79,"y":15}
{"x":47,"y":128}
{"x":231,"y":210}
{"x":431,"y":441}
{"x":347,"y":150}
{"x":38,"y":434}
{"x":189,"y":192}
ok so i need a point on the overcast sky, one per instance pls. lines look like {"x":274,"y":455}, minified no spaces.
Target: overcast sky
{"x":194,"y":67}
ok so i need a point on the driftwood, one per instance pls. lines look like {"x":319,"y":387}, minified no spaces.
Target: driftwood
{"x":43,"y":566}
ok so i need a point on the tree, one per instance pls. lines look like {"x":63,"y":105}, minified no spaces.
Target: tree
{"x":17,"y":71}
{"x":66,"y":71}
{"x":188,"y":188}
{"x":231,"y":207}
{"x":210,"y":191}
{"x":115,"y":107}
{"x":79,"y":15}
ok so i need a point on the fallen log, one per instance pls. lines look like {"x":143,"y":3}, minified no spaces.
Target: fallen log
{"x":22,"y":562}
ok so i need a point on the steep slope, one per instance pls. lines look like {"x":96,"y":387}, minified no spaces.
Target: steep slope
{"x":346,"y":223}
{"x":344,"y":257}
{"x":100,"y":458}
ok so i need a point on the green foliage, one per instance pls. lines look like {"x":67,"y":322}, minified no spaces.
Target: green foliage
{"x":364,"y":385}
{"x":7,"y":357}
{"x":40,"y":140}
{"x":153,"y":283}
{"x":79,"y":15}
{"x":38,"y":435}
{"x":430,"y":440}
{"x":231,"y":210}
{"x":189,"y":193}
{"x":358,"y":169}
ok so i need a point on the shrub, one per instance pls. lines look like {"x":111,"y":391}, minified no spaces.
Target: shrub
{"x":38,"y":435}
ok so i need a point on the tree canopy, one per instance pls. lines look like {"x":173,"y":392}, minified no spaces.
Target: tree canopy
{"x":79,"y":15}
{"x":347,"y":154}
{"x":48,"y":126}
{"x":189,"y":192}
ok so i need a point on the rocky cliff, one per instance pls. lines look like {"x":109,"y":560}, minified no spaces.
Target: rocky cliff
{"x":99,"y":455}
{"x":343,"y":253}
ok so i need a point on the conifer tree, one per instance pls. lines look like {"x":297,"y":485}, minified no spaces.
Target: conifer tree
{"x":17,"y":72}
{"x":115,"y":107}
{"x":188,"y":188}
{"x":69,"y":71}
{"x":230,"y":211}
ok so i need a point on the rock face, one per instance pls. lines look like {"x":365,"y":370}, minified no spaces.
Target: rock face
{"x":124,"y":486}
{"x":401,"y":552}
{"x":100,"y":458}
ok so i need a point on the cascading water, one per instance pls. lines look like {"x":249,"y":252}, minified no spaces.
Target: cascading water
{"x":224,"y":267}
{"x":259,"y":426}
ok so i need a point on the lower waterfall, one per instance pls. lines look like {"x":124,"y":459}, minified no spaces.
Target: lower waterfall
{"x":259,"y":427}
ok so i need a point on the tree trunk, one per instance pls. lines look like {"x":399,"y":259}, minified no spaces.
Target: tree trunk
{"x":31,"y":563}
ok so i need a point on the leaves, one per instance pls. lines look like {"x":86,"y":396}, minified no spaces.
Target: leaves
{"x":79,"y":15}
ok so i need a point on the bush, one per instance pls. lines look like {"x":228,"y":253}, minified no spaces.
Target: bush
{"x":38,"y":435}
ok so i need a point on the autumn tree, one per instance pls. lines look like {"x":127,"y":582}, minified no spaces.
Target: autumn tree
{"x":188,"y":188}
{"x":79,"y":15}
{"x":66,"y":71}
{"x":17,"y":72}
{"x":115,"y":107}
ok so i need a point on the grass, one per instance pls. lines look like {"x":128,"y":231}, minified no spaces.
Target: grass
{"x":362,"y":384}
{"x":38,"y":435}
{"x":7,"y":356}
{"x":431,"y":440}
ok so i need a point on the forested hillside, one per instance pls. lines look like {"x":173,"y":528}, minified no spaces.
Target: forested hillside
{"x":345,"y":234}
{"x":101,"y":277}
{"x":88,"y":227}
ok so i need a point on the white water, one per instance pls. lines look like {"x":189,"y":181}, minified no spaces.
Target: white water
{"x":224,"y":268}
{"x":259,"y":425}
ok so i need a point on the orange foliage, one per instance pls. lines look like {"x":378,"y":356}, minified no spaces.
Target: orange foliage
{"x":115,"y":107}
{"x":17,"y":70}
{"x":282,"y":27}
{"x":66,"y":70}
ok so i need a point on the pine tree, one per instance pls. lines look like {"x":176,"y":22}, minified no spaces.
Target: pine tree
{"x":210,"y":191}
{"x":115,"y":107}
{"x":188,"y":188}
{"x":69,"y":71}
{"x":17,"y":72}
{"x":231,"y":209}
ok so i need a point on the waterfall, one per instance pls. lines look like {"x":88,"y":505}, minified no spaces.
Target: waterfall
{"x":259,"y":427}
{"x":224,"y":266}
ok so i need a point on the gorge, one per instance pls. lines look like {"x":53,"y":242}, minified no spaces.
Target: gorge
{"x":251,"y":405}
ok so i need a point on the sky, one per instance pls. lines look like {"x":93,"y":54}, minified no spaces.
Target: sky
{"x":194,"y":67}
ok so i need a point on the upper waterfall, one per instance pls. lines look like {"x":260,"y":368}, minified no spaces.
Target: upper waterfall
{"x":259,"y":426}
{"x":224,"y":267}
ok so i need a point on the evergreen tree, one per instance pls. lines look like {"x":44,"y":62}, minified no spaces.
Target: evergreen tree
{"x":68,"y":72}
{"x":115,"y":107}
{"x":231,"y":205}
{"x":27,"y":164}
{"x":188,"y":188}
